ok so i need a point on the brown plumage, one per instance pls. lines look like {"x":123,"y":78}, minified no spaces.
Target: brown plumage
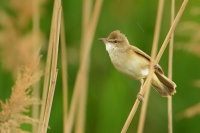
{"x":134,"y":63}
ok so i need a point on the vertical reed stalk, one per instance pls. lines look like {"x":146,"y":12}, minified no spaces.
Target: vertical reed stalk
{"x":171,"y":31}
{"x":170,"y":124}
{"x":86,"y":15}
{"x":147,"y":82}
{"x":47,"y":72}
{"x":54,"y":70}
{"x":64,"y":73}
{"x":80,"y":122}
{"x":82,"y":76}
{"x":153,"y":55}
{"x":55,"y":29}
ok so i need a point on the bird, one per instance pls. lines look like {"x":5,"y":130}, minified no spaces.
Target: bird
{"x":133,"y":62}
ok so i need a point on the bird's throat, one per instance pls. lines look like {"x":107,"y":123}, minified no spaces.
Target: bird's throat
{"x":110,"y":47}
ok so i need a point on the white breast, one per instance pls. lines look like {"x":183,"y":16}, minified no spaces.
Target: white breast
{"x":145,"y":72}
{"x":110,"y":46}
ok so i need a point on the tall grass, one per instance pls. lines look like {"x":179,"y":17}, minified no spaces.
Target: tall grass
{"x":21,"y":56}
{"x":64,"y":73}
{"x":86,"y":13}
{"x":81,"y":84}
{"x":153,"y":55}
{"x":51,"y":70}
{"x":12,"y":113}
{"x":170,"y":124}
{"x":147,"y":82}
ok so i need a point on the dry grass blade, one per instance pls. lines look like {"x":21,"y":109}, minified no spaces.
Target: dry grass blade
{"x":81,"y":81}
{"x":53,"y":47}
{"x":54,"y":70}
{"x":147,"y":82}
{"x":153,"y":55}
{"x":80,"y":122}
{"x":64,"y":73}
{"x":49,"y":103}
{"x":47,"y":69}
{"x":170,"y":124}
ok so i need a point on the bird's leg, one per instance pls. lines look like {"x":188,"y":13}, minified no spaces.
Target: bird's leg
{"x":139,"y":95}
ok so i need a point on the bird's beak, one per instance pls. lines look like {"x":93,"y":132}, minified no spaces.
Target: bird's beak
{"x":103,"y":40}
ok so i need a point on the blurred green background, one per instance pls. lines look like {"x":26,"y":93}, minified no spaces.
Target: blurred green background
{"x":111,"y":94}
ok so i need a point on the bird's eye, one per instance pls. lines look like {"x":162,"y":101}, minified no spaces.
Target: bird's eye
{"x":115,"y":41}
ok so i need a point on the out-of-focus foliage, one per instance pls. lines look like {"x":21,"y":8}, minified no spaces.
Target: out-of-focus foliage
{"x":111,"y":94}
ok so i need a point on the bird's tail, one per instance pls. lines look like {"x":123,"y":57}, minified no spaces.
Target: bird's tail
{"x":163,"y":85}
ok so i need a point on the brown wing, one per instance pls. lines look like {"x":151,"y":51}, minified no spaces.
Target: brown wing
{"x":140,"y":52}
{"x":143,"y":54}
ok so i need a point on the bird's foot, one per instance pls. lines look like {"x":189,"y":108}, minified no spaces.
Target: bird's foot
{"x":140,"y":97}
{"x":156,"y":67}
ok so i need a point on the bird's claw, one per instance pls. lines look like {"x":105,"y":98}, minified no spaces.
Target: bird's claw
{"x":156,"y":67}
{"x":140,"y":97}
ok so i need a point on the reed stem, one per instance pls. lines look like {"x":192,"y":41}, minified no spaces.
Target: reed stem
{"x":54,"y":70}
{"x":50,"y":80}
{"x":170,"y":123}
{"x":82,"y":76}
{"x":64,"y":73}
{"x":153,"y":55}
{"x":147,"y":82}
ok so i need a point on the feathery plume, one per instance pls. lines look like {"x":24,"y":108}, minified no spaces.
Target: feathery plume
{"x":13,"y":111}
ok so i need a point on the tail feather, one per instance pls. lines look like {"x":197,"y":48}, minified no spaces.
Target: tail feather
{"x":163,"y":85}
